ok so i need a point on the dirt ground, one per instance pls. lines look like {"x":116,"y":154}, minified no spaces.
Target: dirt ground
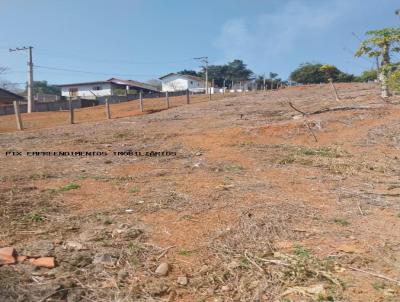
{"x":255,"y":201}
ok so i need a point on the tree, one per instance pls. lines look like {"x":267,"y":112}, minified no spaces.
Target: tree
{"x":381,"y":44}
{"x":238,"y":71}
{"x":308,"y":73}
{"x":218,"y":73}
{"x":45,"y":88}
{"x":191,"y":72}
{"x":367,"y":75}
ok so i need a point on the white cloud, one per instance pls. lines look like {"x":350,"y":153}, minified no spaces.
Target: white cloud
{"x":278,"y":32}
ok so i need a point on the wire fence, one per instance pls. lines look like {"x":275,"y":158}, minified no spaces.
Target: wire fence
{"x":76,"y":114}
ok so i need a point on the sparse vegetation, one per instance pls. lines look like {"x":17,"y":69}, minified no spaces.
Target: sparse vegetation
{"x":341,"y":221}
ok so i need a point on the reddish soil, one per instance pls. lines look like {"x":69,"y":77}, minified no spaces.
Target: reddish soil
{"x":251,"y":208}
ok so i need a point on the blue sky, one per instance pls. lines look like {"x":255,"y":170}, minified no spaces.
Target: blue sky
{"x":144,"y":39}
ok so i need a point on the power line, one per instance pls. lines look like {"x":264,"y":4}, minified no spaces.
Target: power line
{"x":90,"y":72}
{"x":75,"y":57}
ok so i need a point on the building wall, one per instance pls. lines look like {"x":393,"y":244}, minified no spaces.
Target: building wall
{"x":179,"y":83}
{"x":84,"y":90}
{"x":174,"y":83}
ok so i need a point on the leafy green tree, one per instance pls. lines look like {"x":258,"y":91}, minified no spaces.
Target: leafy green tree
{"x":308,"y":73}
{"x":381,"y":44}
{"x":218,"y":73}
{"x":238,"y":71}
{"x":367,"y":75}
{"x":191,"y":72}
{"x":228,"y":73}
{"x":44,"y":87}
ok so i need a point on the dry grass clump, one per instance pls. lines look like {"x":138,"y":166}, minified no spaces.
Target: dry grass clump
{"x":248,"y":266}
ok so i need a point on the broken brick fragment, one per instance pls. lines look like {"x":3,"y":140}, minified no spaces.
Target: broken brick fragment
{"x":43,"y":262}
{"x":7,"y":255}
{"x":21,"y":259}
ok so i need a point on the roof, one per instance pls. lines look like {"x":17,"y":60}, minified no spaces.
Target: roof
{"x":188,"y":76}
{"x":132,"y":83}
{"x":8,"y":96}
{"x":116,"y":82}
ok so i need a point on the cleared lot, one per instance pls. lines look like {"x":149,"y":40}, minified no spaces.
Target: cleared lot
{"x":258,"y":204}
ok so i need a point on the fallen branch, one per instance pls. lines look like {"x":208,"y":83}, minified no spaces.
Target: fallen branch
{"x":375,"y":275}
{"x":346,"y":108}
{"x":165,"y":251}
{"x":253,"y":262}
{"x":298,"y":110}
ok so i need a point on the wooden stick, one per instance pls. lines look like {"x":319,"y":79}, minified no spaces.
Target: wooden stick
{"x":334,"y":90}
{"x":312,"y":132}
{"x":187,"y":96}
{"x":141,"y":101}
{"x":375,"y":275}
{"x":165,"y":251}
{"x":17,"y":115}
{"x":108,"y":113}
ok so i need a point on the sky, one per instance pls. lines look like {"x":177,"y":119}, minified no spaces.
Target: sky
{"x":89,"y":40}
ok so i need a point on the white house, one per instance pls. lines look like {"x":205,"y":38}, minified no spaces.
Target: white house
{"x":178,"y":82}
{"x":91,"y":90}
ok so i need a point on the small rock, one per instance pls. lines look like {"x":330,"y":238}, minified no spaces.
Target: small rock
{"x":317,"y":289}
{"x":203,"y":269}
{"x":162,"y":269}
{"x":225,"y":288}
{"x":43,"y":262}
{"x":129,"y":211}
{"x":183,"y":280}
{"x":105,"y":259}
{"x":73,"y":245}
{"x":7,"y":255}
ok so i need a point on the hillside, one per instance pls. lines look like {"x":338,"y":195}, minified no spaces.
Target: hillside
{"x":256,"y":203}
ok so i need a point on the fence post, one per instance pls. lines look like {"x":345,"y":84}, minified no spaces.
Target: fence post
{"x":71,"y":113}
{"x":209,"y":96}
{"x":187,"y":96}
{"x":108,"y":113}
{"x":17,"y":115}
{"x":141,"y":101}
{"x":167,"y":99}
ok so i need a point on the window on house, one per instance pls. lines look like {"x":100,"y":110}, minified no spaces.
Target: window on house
{"x":97,"y":88}
{"x":191,"y":82}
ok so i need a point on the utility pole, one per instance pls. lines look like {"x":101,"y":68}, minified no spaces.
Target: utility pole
{"x":205,"y":61}
{"x":31,"y":105}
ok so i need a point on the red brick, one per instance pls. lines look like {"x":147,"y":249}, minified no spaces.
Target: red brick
{"x":43,"y":262}
{"x":7,"y":255}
